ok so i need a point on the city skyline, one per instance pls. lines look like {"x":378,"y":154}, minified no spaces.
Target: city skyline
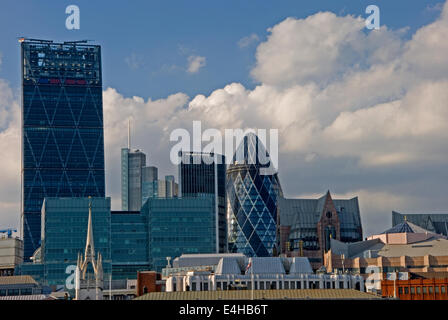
{"x":375,"y":129}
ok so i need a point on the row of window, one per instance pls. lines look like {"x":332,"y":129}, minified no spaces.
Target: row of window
{"x":16,"y":292}
{"x":262,"y":285}
{"x":422,"y":290}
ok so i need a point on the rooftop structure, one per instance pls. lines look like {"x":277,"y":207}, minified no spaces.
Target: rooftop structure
{"x":291,"y":294}
{"x":307,"y":225}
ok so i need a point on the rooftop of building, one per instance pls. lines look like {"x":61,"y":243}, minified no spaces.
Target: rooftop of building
{"x":231,"y":263}
{"x":374,"y":248}
{"x":29,"y":297}
{"x":305,"y":213}
{"x":301,"y":294}
{"x":13,"y":280}
{"x":406,"y":227}
{"x":433,"y":222}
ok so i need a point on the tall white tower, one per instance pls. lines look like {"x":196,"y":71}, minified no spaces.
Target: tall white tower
{"x":89,"y":286}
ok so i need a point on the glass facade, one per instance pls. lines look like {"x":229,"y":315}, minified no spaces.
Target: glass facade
{"x":252,"y":201}
{"x":121,"y":237}
{"x":129,"y":244}
{"x":132,"y":165}
{"x":205,"y":174}
{"x":179,"y":225}
{"x":62,"y":128}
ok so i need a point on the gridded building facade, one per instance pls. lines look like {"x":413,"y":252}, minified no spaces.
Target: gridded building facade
{"x":252,"y":201}
{"x":132,"y":165}
{"x":204,"y":174}
{"x":62,"y":128}
{"x":179,"y":225}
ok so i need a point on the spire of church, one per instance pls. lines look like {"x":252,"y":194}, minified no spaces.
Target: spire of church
{"x":90,"y":248}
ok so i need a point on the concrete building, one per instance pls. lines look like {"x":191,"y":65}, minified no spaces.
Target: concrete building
{"x":307,"y":225}
{"x":11,"y":254}
{"x":235,"y":271}
{"x":404,"y":248}
{"x":20,"y":287}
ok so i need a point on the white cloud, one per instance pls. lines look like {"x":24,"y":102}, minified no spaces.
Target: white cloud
{"x":195,"y":63}
{"x":363,"y":112}
{"x":249,"y":40}
{"x":134,"y":61}
{"x":10,"y":168}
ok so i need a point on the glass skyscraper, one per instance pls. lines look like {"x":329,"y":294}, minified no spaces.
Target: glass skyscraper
{"x":132,"y":164}
{"x":62,"y":128}
{"x":204,"y":174}
{"x":252,"y":201}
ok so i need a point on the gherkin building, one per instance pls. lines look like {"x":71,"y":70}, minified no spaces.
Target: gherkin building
{"x":252,"y":200}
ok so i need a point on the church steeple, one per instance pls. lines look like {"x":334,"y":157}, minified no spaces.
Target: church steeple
{"x":90,"y":246}
{"x":85,"y":288}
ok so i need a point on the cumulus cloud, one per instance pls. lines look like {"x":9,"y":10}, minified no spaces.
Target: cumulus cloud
{"x":10,"y":146}
{"x":249,"y":40}
{"x":358,"y":112}
{"x":195,"y":63}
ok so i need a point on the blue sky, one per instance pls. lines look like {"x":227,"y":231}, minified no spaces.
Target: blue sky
{"x":359,"y":112}
{"x":160,"y":35}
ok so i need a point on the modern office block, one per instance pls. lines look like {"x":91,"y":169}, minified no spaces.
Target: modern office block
{"x":129,"y":244}
{"x":64,"y":234}
{"x":179,"y":225}
{"x":62,"y":128}
{"x":11,"y":254}
{"x":132,"y":164}
{"x":252,"y":201}
{"x":204,"y":174}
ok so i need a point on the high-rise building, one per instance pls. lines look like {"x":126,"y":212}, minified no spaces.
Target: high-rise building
{"x":178,"y":226}
{"x":149,"y":184}
{"x":252,"y":201}
{"x":132,"y":164}
{"x":62,"y":128}
{"x":205,"y":174}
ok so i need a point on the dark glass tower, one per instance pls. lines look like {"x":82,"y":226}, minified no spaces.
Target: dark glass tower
{"x":62,"y":128}
{"x":252,"y":201}
{"x":205,"y":174}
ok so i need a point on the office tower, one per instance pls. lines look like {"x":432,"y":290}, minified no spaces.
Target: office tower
{"x":170,"y":186}
{"x":149,"y":184}
{"x":62,"y":128}
{"x":132,"y":164}
{"x":252,"y":201}
{"x":205,"y":174}
{"x":179,"y":226}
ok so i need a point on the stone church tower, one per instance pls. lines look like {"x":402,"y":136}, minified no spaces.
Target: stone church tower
{"x":89,"y":285}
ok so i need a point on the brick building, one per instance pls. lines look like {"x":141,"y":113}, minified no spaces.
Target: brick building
{"x":421,"y":286}
{"x":149,"y":281}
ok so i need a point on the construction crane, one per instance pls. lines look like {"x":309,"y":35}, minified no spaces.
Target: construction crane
{"x":8,"y":232}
